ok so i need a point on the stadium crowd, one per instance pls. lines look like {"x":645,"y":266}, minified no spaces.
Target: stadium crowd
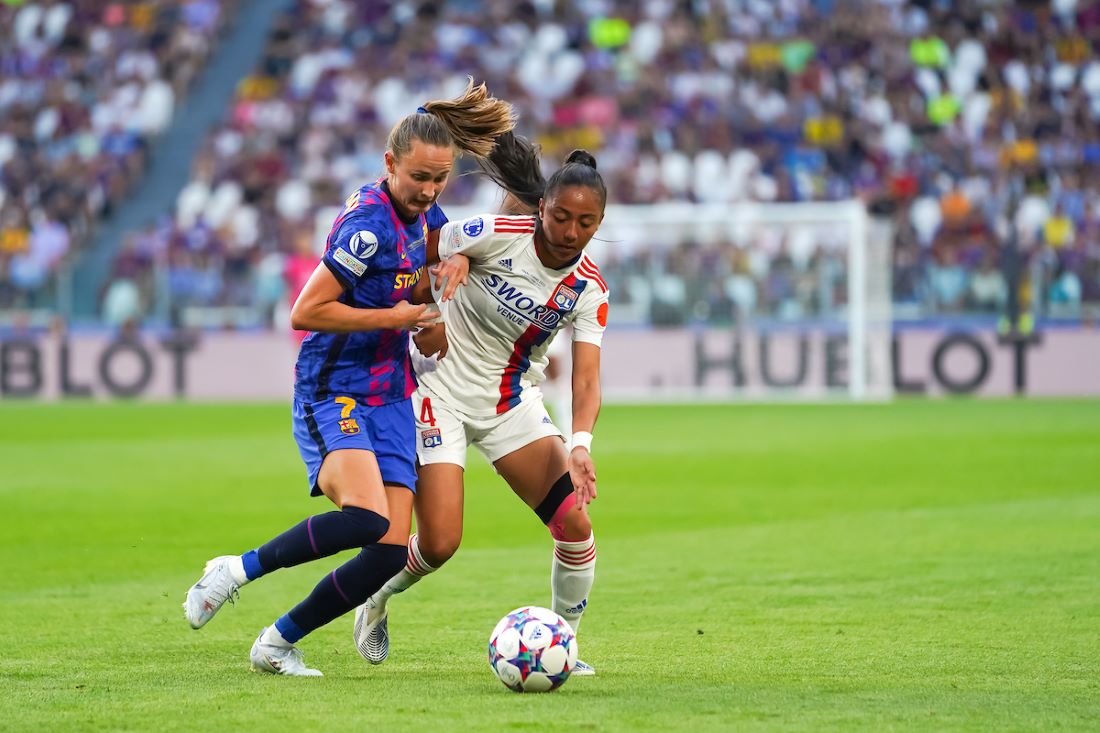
{"x":969,"y":123}
{"x":85,"y":87}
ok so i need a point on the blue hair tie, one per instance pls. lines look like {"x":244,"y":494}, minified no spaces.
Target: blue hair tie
{"x":421,"y":111}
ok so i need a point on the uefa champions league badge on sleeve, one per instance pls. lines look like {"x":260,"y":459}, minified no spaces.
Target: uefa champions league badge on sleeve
{"x":474,"y":227}
{"x":363,"y":244}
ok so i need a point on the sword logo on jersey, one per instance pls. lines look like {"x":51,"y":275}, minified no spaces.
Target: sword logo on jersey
{"x":516,"y":306}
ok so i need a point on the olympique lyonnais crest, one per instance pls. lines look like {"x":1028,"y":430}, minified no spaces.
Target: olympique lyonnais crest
{"x":565,"y":298}
{"x":431,"y":438}
{"x":349,"y":426}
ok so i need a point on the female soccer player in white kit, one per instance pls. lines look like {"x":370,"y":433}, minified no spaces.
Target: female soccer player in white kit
{"x":528,"y":278}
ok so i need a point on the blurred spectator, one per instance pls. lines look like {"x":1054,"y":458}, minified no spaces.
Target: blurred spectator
{"x":941,"y":108}
{"x":84,"y":87}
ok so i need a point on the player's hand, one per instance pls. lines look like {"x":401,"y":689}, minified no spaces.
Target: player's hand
{"x":451,"y":272}
{"x":407,"y":316}
{"x":432,"y":340}
{"x":582,"y":472}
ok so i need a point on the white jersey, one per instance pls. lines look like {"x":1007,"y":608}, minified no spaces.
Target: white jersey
{"x":501,"y":323}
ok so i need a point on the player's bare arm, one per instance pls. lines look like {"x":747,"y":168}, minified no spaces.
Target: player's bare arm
{"x":421,"y":293}
{"x":318,"y":309}
{"x":586,"y":407}
{"x":432,"y":341}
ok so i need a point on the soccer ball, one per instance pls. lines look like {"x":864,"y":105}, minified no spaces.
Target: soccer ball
{"x":533,"y":649}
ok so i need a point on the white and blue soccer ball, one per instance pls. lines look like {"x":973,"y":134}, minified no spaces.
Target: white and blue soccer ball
{"x":533,"y":649}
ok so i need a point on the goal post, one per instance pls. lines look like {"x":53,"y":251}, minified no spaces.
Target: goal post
{"x":840,"y":256}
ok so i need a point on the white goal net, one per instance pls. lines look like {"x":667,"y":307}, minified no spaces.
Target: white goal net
{"x":770,"y":301}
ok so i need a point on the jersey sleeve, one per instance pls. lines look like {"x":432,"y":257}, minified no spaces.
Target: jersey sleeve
{"x":435,"y":218}
{"x":471,"y":237}
{"x":591,"y":319}
{"x":352,"y":246}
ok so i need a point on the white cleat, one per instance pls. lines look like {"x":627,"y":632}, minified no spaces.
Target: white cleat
{"x":372,"y":636}
{"x":583,"y":669}
{"x":279,"y":659}
{"x":216,"y":586}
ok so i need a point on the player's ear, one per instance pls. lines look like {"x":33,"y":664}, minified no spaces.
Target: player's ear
{"x":391,"y":162}
{"x":542,"y":208}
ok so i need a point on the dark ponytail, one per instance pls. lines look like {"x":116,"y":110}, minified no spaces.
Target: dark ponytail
{"x":582,"y":157}
{"x":514,"y":165}
{"x":579,"y":170}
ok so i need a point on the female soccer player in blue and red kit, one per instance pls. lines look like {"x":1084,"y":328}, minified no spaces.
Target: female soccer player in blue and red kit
{"x":353,"y":419}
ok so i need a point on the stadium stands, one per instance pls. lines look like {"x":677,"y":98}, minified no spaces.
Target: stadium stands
{"x":84,"y":89}
{"x":954,"y":117}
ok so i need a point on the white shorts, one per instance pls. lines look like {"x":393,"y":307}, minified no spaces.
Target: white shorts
{"x":443,"y":433}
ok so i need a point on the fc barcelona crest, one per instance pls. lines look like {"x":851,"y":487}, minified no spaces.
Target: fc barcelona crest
{"x":564,"y":298}
{"x":349,"y":426}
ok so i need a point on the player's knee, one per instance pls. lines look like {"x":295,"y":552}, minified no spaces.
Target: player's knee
{"x":558,"y":511}
{"x":438,"y":550}
{"x":369,"y":527}
{"x":571,"y":526}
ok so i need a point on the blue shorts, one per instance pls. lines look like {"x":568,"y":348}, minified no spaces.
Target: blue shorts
{"x":339,"y":423}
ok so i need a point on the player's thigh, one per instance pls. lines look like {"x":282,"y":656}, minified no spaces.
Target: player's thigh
{"x":527,"y":450}
{"x":350,"y":477}
{"x":440,"y":497}
{"x":441,"y":455}
{"x":533,"y":469}
{"x":400,"y":500}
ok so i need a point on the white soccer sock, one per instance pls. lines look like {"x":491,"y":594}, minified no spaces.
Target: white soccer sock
{"x":571,"y":578}
{"x":236,"y":569}
{"x":415,"y":569}
{"x":272,"y":636}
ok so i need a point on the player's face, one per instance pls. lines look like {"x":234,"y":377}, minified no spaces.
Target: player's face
{"x":570,"y":216}
{"x":418,"y":177}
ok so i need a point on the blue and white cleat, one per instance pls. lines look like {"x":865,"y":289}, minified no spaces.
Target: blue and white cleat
{"x":216,"y":586}
{"x":583,"y":669}
{"x":371,"y":633}
{"x":281,"y":659}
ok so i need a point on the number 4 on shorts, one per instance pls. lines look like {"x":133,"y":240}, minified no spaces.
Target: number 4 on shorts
{"x":426,"y":415}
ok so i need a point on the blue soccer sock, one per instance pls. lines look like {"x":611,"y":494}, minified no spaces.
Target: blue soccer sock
{"x":342,"y":590}
{"x":318,"y":536}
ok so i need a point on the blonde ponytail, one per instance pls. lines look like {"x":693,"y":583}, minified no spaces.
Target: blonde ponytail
{"x":471,"y":122}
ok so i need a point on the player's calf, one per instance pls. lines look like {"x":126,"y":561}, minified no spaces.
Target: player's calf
{"x":574,"y":568}
{"x":371,"y":629}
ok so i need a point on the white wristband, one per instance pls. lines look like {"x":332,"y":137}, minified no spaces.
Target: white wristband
{"x":581,"y":439}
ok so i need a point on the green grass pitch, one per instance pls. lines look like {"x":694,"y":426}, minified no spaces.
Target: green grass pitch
{"x":915,"y":566}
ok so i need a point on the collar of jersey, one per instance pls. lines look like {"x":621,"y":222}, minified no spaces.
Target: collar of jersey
{"x":386,"y":189}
